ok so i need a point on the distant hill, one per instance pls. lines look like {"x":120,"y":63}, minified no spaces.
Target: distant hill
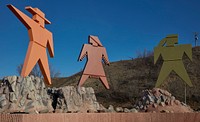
{"x":127,"y":78}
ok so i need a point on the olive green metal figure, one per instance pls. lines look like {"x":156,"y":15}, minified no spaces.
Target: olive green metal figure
{"x":172,"y":55}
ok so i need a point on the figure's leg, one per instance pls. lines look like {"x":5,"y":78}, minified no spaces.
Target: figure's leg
{"x":105,"y":82}
{"x":31,"y":59}
{"x":44,"y":67}
{"x":180,"y":70}
{"x":164,"y":72}
{"x":82,"y":80}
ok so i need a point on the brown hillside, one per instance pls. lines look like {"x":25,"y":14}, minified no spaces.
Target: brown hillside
{"x":128,"y":78}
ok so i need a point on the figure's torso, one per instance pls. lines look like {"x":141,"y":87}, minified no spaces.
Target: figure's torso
{"x":94,"y":63}
{"x":39,"y":35}
{"x":172,"y":53}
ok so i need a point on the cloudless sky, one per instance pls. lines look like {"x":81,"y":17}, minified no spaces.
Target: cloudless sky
{"x":123,"y":26}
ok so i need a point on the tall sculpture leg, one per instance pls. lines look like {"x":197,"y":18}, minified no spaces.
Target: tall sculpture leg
{"x":83,"y":79}
{"x":31,"y":59}
{"x":105,"y":82}
{"x":180,"y":70}
{"x":44,"y":66}
{"x":164,"y":72}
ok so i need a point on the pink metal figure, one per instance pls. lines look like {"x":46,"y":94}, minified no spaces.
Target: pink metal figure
{"x":40,"y":39}
{"x":95,"y":52}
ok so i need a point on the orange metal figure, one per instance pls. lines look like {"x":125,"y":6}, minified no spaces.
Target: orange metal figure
{"x":95,"y":52}
{"x":40,"y":39}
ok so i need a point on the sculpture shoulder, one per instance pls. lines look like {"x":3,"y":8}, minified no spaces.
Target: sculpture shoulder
{"x":49,"y":33}
{"x":184,"y":47}
{"x":87,"y":46}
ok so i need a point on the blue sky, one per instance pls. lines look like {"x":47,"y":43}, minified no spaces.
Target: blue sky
{"x":123,"y":26}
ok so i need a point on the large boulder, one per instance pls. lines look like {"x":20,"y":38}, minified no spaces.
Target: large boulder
{"x":29,"y":95}
{"x":70,"y":99}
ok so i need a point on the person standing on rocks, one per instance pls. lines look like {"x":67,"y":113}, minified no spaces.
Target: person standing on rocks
{"x":95,"y":52}
{"x":172,"y":55}
{"x":40,"y":39}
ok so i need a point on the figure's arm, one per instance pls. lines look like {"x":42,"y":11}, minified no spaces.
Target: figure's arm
{"x":162,"y":43}
{"x":26,"y":20}
{"x":157,"y":52}
{"x":188,"y":50}
{"x":50,"y":45}
{"x":105,"y":57}
{"x":83,"y":52}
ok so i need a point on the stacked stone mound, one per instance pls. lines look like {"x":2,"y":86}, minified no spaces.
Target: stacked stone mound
{"x":27,"y":95}
{"x":159,"y":100}
{"x":70,"y":99}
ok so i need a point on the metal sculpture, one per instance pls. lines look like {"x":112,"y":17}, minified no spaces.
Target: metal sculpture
{"x":95,"y":53}
{"x":172,"y":55}
{"x":40,"y":39}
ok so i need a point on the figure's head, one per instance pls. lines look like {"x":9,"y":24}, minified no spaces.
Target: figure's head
{"x":94,"y":40}
{"x":38,"y":16}
{"x":171,"y":40}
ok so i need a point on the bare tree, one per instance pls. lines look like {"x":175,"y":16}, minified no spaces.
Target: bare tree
{"x":54,"y":73}
{"x":36,"y":71}
{"x":144,"y":54}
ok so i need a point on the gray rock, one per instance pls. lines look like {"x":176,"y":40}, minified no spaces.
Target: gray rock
{"x":20,"y":79}
{"x":31,"y":86}
{"x":13,"y":86}
{"x":165,"y":111}
{"x":150,"y":98}
{"x":32,"y":78}
{"x":22,"y":101}
{"x":12,"y":97}
{"x":3,"y":103}
{"x":119,"y":109}
{"x":5,"y":90}
{"x":12,"y":108}
{"x":21,"y":94}
{"x":155,"y":105}
{"x":173,"y":98}
{"x":17,"y":90}
{"x":2,"y":97}
{"x":102,"y":109}
{"x":162,"y":104}
{"x":111,"y":109}
{"x":133,"y":110}
{"x":37,"y":83}
{"x":126,"y":110}
{"x":28,"y":82}
{"x":31,"y":96}
{"x":177,"y":102}
{"x":72,"y":99}
{"x":11,"y":79}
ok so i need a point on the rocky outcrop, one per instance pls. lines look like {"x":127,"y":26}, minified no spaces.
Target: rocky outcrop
{"x":30,"y":95}
{"x":159,"y":100}
{"x":70,"y":99}
{"x":27,"y":95}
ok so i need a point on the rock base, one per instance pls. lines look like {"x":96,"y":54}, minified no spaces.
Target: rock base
{"x":24,"y":95}
{"x":70,"y":99}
